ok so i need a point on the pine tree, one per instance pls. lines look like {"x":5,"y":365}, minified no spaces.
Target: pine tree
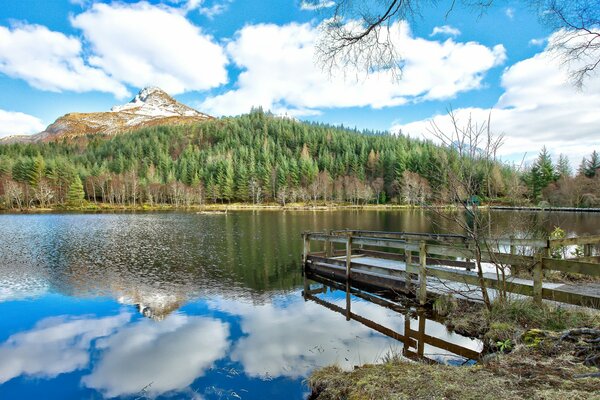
{"x":563,"y":168}
{"x":593,"y":165}
{"x":75,"y":195}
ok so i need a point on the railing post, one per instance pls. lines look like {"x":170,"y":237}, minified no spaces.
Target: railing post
{"x":513,"y":248}
{"x":408,"y":263}
{"x":587,"y":250}
{"x":537,"y":278}
{"x":348,"y":257}
{"x":423,"y":273}
{"x":329,"y":246}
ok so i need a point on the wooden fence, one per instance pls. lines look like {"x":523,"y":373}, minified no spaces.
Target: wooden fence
{"x":429,"y":255}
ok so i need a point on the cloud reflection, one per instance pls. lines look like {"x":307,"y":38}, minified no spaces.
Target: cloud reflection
{"x":291,"y":340}
{"x":56,"y":345}
{"x":163,"y":356}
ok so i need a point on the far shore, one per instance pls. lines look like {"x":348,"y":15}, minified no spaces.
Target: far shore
{"x":319,"y":206}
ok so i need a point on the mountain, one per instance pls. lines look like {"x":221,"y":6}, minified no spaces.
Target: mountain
{"x":151,"y":107}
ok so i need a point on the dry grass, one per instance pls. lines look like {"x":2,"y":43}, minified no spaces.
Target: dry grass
{"x":540,"y":366}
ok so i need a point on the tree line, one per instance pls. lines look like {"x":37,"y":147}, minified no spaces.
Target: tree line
{"x":557,"y":185}
{"x":254,"y":158}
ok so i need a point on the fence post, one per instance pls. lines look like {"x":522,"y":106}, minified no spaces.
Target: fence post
{"x":537,"y":278}
{"x":423,"y":273}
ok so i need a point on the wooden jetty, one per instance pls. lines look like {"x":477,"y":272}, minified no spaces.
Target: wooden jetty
{"x":428,"y":264}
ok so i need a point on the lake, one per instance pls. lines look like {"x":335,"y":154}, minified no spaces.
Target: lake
{"x":180,"y":305}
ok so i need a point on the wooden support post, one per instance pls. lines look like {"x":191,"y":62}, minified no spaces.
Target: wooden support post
{"x":306,"y":287}
{"x":329,"y":247}
{"x":306,"y":248}
{"x":587,"y":250}
{"x":406,"y":345}
{"x":513,"y":248}
{"x":348,"y":257}
{"x":408,"y":263}
{"x":537,"y":278}
{"x":423,"y":273}
{"x":421,"y":339}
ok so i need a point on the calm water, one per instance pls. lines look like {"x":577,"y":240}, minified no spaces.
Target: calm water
{"x":179,"y":305}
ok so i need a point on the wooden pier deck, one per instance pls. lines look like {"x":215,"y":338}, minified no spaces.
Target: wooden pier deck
{"x":432,"y":264}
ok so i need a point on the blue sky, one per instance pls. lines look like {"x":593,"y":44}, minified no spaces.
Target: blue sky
{"x":223,"y":56}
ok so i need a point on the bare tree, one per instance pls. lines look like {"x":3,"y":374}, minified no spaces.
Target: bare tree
{"x":475,"y":149}
{"x":359,"y":35}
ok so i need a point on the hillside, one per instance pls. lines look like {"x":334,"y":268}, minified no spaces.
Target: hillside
{"x":254,"y":158}
{"x":151,"y":107}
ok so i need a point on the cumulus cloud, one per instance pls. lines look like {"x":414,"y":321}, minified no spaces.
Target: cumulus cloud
{"x":51,"y":61}
{"x":55,"y":346}
{"x":445,"y":30}
{"x":539,"y":107}
{"x":162,"y":47}
{"x":279,"y":72}
{"x":170,"y":355}
{"x":16,"y":123}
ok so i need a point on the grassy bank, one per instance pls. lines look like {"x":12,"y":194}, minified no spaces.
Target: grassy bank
{"x":534,"y":352}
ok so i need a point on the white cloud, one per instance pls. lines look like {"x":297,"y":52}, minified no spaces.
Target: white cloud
{"x":55,"y":346}
{"x":539,"y":107}
{"x":279,"y":72}
{"x":51,"y":61}
{"x":169,"y":355}
{"x":145,"y":45}
{"x":16,"y":123}
{"x":445,"y":30}
{"x":316,"y":5}
{"x":537,"y":41}
{"x":509,"y":12}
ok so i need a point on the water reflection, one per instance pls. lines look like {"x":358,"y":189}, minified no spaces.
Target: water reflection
{"x":182,"y":305}
{"x":54,"y":346}
{"x":420,"y":337}
{"x":159,"y":357}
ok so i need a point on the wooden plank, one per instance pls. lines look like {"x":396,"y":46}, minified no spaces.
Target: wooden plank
{"x":572,"y":266}
{"x":442,"y":344}
{"x":367,"y":322}
{"x":579,"y":299}
{"x":592,"y":239}
{"x":324,"y":237}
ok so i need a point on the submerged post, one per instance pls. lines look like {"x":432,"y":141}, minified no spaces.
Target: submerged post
{"x":423,"y":273}
{"x":537,"y":278}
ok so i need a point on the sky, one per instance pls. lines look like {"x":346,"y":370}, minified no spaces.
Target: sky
{"x":225,"y":56}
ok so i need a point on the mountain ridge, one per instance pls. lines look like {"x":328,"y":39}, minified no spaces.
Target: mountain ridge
{"x":150,"y":107}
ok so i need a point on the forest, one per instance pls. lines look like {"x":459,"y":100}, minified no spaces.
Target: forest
{"x":259,"y":158}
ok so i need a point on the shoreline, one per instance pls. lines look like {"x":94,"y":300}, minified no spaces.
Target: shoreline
{"x":107,"y":208}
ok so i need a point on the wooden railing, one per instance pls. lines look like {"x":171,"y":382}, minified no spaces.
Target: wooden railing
{"x":457,"y":251}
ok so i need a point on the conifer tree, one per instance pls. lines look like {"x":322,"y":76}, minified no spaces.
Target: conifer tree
{"x":75,"y":195}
